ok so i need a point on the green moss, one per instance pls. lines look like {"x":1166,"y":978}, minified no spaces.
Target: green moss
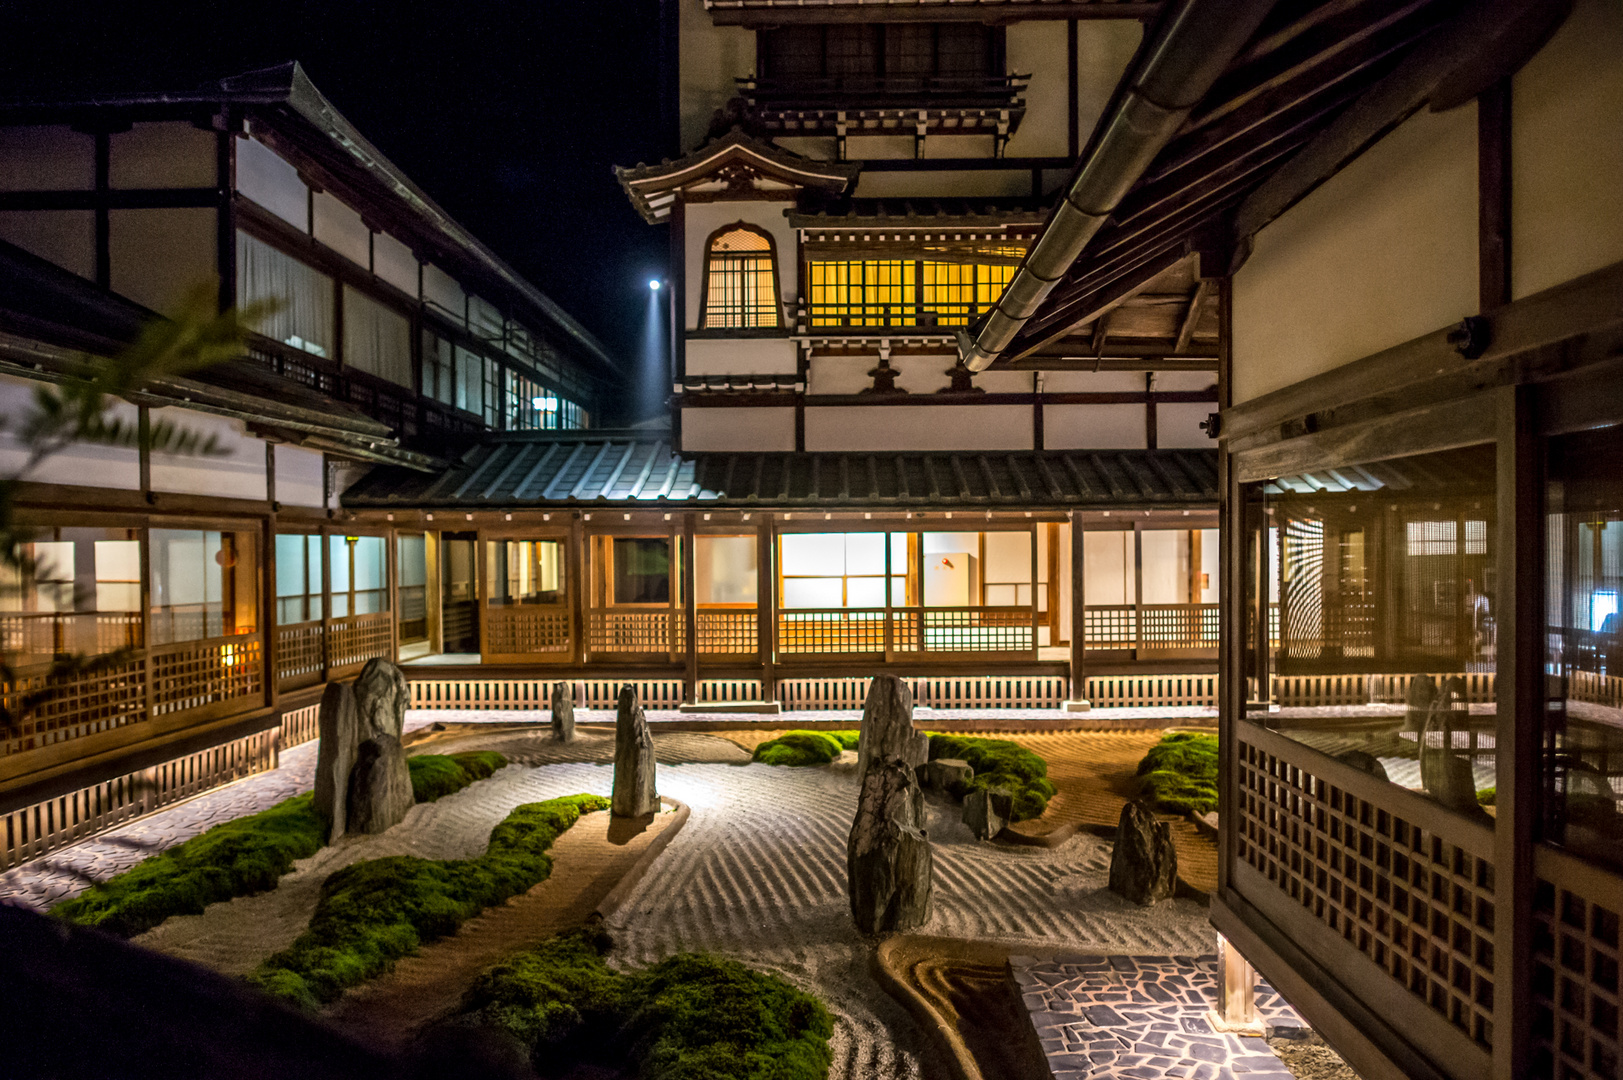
{"x":848,"y":739}
{"x":1487,"y":795}
{"x":799,"y":748}
{"x":689,"y":1017}
{"x":434,"y":776}
{"x":1179,"y":774}
{"x":235,"y":858}
{"x":244,"y":856}
{"x":371,"y":913}
{"x":1000,"y":763}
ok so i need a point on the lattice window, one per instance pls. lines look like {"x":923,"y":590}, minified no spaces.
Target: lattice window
{"x":958,"y":292}
{"x":1418,"y":904}
{"x":300,"y":651}
{"x":741,"y":280}
{"x":831,"y":632}
{"x":1575,"y":984}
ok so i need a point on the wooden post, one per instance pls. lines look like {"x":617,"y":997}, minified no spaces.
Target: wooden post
{"x":690,"y":610}
{"x":766,"y":606}
{"x":1078,"y":700}
{"x":267,"y":606}
{"x":1520,"y":688}
{"x":1138,"y":588}
{"x":326,"y":604}
{"x":433,"y":599}
{"x":481,"y":590}
{"x":1237,"y":992}
{"x":1036,"y":648}
{"x":890,"y":615}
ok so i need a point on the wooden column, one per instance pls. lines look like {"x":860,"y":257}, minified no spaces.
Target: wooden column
{"x":1138,"y":587}
{"x":1036,"y":648}
{"x":433,"y":615}
{"x":1231,"y":610}
{"x":890,"y":615}
{"x":579,"y":584}
{"x":481,"y":590}
{"x":1519,"y":686}
{"x":766,"y":606}
{"x":1079,"y":675}
{"x":326,"y":604}
{"x":267,"y":605}
{"x":690,"y":611}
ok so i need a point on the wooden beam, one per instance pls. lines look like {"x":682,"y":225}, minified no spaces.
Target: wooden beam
{"x":1191,"y":317}
{"x":1014,"y":11}
{"x":1110,"y":296}
{"x":1435,"y":60}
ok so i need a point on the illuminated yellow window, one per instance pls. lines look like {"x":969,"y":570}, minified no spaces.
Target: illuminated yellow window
{"x":874,"y":292}
{"x":740,"y":280}
{"x":957,"y":292}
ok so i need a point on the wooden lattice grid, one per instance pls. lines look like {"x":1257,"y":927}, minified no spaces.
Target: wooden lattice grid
{"x":1109,"y":626}
{"x":300,"y":726}
{"x":1178,"y":626}
{"x":1418,"y":904}
{"x":1576,"y":1000}
{"x":834,"y":631}
{"x":633,"y":631}
{"x":520,"y":630}
{"x":204,"y":673}
{"x":727,"y":632}
{"x":359,"y":638}
{"x":300,"y":651}
{"x":977,"y":630}
{"x":74,"y":707}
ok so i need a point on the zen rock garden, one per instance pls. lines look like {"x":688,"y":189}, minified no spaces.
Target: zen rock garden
{"x":362,"y":782}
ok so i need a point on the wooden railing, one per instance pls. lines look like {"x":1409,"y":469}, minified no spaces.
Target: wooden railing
{"x":1150,"y":627}
{"x":835,"y":631}
{"x":521,"y":629}
{"x":1577,"y":1003}
{"x":208,"y":675}
{"x":728,"y":632}
{"x":307,"y":653}
{"x":635,"y":631}
{"x":28,"y":633}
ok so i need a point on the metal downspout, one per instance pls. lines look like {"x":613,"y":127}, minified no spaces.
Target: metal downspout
{"x":1195,"y":45}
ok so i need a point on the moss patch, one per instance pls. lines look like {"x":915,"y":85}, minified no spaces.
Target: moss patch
{"x":371,"y":913}
{"x":1000,"y":763}
{"x":799,"y":748}
{"x":244,"y":856}
{"x":434,"y":776}
{"x":688,"y":1017}
{"x":235,"y":858}
{"x":1179,"y":774}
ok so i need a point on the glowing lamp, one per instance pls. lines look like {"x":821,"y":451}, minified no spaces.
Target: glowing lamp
{"x":654,"y":284}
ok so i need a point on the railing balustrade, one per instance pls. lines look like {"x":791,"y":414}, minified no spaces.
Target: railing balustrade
{"x":1150,"y":627}
{"x":528,"y":630}
{"x":834,"y":631}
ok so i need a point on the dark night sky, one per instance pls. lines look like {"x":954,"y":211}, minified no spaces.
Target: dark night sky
{"x":509,"y":113}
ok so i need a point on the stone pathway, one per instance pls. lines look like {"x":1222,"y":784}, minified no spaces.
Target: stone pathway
{"x":1145,"y":1018}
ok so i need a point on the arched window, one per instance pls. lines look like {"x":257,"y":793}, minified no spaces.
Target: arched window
{"x":741,"y":279}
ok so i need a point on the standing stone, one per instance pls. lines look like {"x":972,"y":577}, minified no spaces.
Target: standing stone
{"x":947,"y":775}
{"x":563,"y":712}
{"x":379,"y":786}
{"x":339,"y":726}
{"x":887,"y":726}
{"x":1144,"y":864}
{"x":381,"y":698}
{"x":633,"y":794}
{"x":887,"y":856}
{"x":987,"y":811}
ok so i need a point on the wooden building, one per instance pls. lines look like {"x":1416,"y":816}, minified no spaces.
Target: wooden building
{"x":1410,"y":213}
{"x":230,"y":584}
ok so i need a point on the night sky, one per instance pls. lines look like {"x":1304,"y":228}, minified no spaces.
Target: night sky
{"x":509,"y":113}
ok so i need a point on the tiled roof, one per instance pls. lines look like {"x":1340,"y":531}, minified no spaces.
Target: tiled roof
{"x":631,"y":469}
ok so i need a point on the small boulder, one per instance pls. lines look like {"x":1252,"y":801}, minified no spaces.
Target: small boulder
{"x":339,"y":727}
{"x":987,"y":811}
{"x":633,"y":794}
{"x":379,"y":786}
{"x":1144,"y":864}
{"x":887,"y":856}
{"x":563,"y":712}
{"x":381,"y":698}
{"x":887,"y":726}
{"x":947,"y":775}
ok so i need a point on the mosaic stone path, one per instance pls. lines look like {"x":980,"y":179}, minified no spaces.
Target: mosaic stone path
{"x":1144,"y":1018}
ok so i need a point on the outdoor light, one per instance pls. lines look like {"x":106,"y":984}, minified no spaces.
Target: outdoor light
{"x":653,"y":283}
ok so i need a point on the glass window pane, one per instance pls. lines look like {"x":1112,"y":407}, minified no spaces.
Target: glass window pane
{"x":865,"y":553}
{"x":813,"y":592}
{"x":303,"y":317}
{"x":77,"y":593}
{"x":525,"y":571}
{"x":642,"y":570}
{"x":377,"y":339}
{"x":724,"y":570}
{"x":812,"y":554}
{"x":204,"y":584}
{"x":411,"y":555}
{"x":865,"y":592}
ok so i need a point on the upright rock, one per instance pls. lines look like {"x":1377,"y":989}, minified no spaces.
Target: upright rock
{"x":987,"y":811}
{"x":887,"y":857}
{"x":887,"y":726}
{"x":563,"y":712}
{"x":379,"y":786}
{"x":1144,"y":864}
{"x":381,"y":698}
{"x":946,"y":775}
{"x":633,"y":794}
{"x":339,"y":727}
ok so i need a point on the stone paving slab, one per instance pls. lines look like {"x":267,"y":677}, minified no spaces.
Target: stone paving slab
{"x":1144,"y":1018}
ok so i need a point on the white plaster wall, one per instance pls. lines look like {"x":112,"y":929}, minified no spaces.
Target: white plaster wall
{"x":81,"y":465}
{"x":1107,"y":568}
{"x":1567,"y":152}
{"x":702,"y":219}
{"x":47,"y":157}
{"x":1166,"y":566}
{"x":741,"y":356}
{"x":1094,"y":427}
{"x":393,"y":262}
{"x":1093,"y":382}
{"x":298,"y":476}
{"x":738,"y":429}
{"x":272,"y":183}
{"x":442,"y":290}
{"x":1104,"y":48}
{"x":881,"y":428}
{"x":1384,"y":251}
{"x":1038,"y":48}
{"x":839,"y":374}
{"x":1177,"y":425}
{"x":64,"y":237}
{"x":157,"y":256}
{"x":340,"y":228}
{"x":711,"y":58}
{"x":166,"y":154}
{"x":1185,"y":381}
{"x":238,"y":472}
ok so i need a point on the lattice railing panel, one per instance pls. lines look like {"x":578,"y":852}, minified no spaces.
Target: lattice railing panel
{"x":300,"y":652}
{"x":359,"y":638}
{"x":730,"y":632}
{"x":1151,"y":691}
{"x":55,"y":709}
{"x":1112,"y":626}
{"x":610,"y":631}
{"x":1576,"y":997}
{"x":976,"y":629}
{"x":201,"y":673}
{"x":54,"y":634}
{"x":1596,"y":689}
{"x":300,"y":726}
{"x":838,"y":630}
{"x":1417,"y":903}
{"x":527,"y":630}
{"x":1177,"y":626}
